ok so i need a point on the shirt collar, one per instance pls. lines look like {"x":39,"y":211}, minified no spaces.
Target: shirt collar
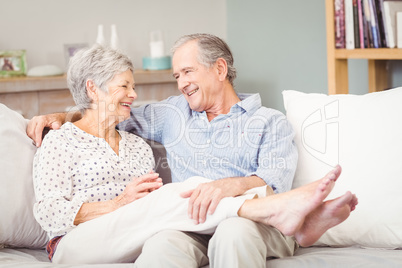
{"x":248,"y":102}
{"x":82,"y":139}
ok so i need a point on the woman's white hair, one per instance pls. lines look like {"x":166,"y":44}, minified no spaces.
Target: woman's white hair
{"x":211,"y":48}
{"x":99,"y":64}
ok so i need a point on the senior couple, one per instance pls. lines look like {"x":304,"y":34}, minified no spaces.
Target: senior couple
{"x":100,"y":201}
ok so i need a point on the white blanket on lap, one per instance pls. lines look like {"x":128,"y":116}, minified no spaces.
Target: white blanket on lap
{"x":120,"y":235}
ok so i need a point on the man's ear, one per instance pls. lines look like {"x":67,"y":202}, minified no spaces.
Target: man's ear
{"x":222,"y":68}
{"x":92,"y":90}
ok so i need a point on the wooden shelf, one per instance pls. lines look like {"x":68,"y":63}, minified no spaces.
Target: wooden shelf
{"x":369,"y":53}
{"x":27,"y":84}
{"x":337,"y":60}
{"x":143,"y":77}
{"x":32,"y":96}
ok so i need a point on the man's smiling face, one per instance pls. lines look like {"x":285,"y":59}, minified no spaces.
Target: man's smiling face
{"x":195,"y":81}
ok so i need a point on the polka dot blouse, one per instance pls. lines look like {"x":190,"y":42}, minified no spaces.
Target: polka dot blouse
{"x":73,"y":167}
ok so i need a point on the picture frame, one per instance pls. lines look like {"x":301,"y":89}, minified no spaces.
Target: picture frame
{"x":71,"y":49}
{"x":13,"y":63}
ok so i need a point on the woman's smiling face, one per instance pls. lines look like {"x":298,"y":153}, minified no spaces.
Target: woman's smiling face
{"x":121,"y":94}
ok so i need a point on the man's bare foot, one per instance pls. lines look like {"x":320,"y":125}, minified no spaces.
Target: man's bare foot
{"x":287,"y":211}
{"x":324,"y":217}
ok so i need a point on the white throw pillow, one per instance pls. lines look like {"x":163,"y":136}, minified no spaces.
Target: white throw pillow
{"x":18,"y":227}
{"x":364,"y":135}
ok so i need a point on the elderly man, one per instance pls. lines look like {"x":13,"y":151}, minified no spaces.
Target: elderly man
{"x":214,"y":132}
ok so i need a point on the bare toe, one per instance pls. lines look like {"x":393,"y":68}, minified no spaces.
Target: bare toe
{"x":335,"y":173}
{"x":326,"y":216}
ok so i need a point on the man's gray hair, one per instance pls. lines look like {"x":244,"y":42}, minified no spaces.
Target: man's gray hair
{"x":99,"y":64}
{"x":211,"y":48}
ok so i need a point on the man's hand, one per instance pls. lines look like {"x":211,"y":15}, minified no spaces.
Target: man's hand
{"x":38,"y":123}
{"x":53,"y":121}
{"x":206,"y":197}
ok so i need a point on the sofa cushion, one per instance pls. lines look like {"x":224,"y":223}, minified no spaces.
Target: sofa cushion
{"x":18,"y":227}
{"x":364,"y":135}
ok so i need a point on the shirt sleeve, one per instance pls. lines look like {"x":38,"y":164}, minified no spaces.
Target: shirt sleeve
{"x":56,"y":206}
{"x":148,"y":121}
{"x":277,"y":157}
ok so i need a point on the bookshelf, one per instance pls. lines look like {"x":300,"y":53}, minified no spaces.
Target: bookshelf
{"x":337,"y":60}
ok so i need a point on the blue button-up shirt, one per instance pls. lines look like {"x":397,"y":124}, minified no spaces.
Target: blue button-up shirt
{"x":249,"y":140}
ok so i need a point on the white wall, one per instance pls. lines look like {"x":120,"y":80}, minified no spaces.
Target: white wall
{"x":42,"y":27}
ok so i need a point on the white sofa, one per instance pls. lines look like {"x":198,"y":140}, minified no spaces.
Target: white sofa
{"x":362,"y":133}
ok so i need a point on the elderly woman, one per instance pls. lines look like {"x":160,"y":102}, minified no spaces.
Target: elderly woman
{"x":97,"y":196}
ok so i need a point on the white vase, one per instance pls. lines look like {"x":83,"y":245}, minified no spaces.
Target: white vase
{"x":114,"y":39}
{"x":100,"y":39}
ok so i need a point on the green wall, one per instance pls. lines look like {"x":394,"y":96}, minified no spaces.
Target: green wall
{"x":281,"y":45}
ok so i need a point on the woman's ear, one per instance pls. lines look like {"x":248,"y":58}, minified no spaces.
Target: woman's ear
{"x":92,"y":90}
{"x":222,"y":68}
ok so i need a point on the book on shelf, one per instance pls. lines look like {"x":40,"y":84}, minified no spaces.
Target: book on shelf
{"x":366,"y":23}
{"x":370,"y":24}
{"x":375,"y":23}
{"x":349,"y":25}
{"x":399,"y":29}
{"x":367,"y":38}
{"x":360,"y":23}
{"x":339,"y":24}
{"x":390,"y":9}
{"x":379,"y":5}
{"x":356,"y":32}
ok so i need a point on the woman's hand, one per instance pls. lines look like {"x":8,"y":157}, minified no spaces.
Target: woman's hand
{"x":138,"y":188}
